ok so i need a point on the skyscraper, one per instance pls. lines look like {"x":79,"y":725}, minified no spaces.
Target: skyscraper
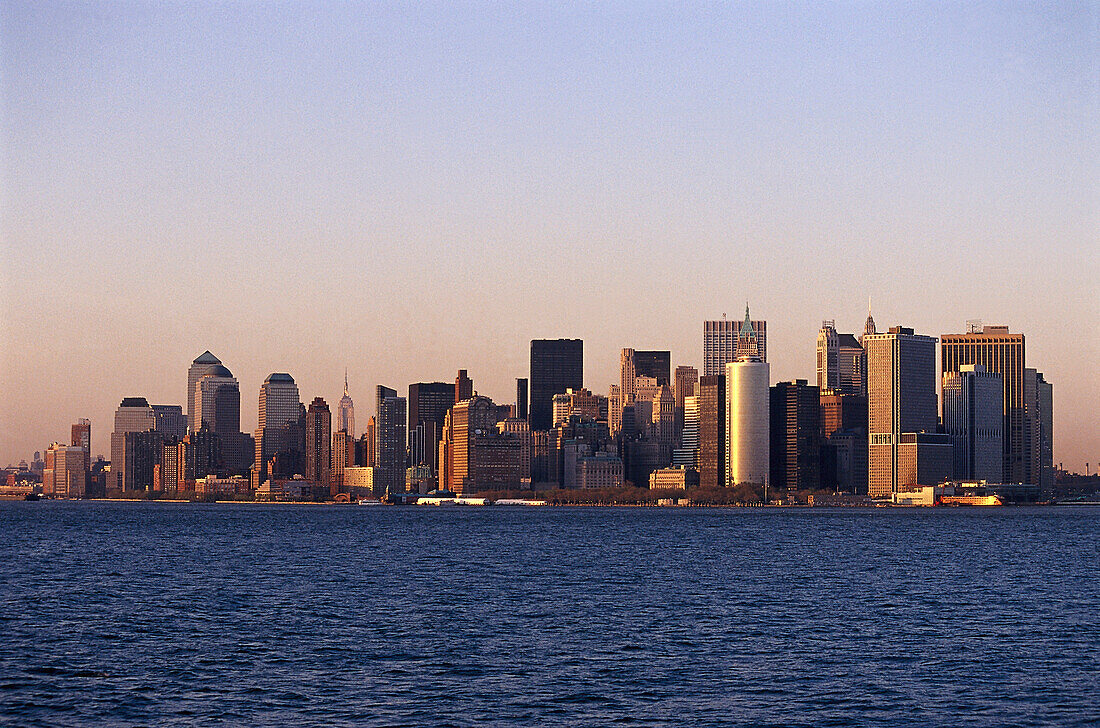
{"x":345,"y":418}
{"x":841,"y":362}
{"x":82,"y":437}
{"x":712,"y":431}
{"x":391,"y":438}
{"x":1000,"y":352}
{"x":747,"y":412}
{"x":720,"y":343}
{"x":556,"y":365}
{"x":133,"y":415}
{"x":795,"y":436}
{"x":278,"y":430}
{"x":972,"y":416}
{"x":687,"y":454}
{"x":318,"y":443}
{"x":521,"y":398}
{"x":656,"y":364}
{"x":464,"y":386}
{"x":198,"y":369}
{"x":217,"y":402}
{"x":1039,"y":411}
{"x":901,"y":399}
{"x":170,"y":420}
{"x":428,"y":405}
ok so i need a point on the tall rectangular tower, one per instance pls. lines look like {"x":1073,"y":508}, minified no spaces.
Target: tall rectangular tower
{"x":901,"y":398}
{"x":795,"y":436}
{"x":720,"y":343}
{"x":1000,"y":352}
{"x":972,"y":417}
{"x":712,"y":430}
{"x":556,"y":365}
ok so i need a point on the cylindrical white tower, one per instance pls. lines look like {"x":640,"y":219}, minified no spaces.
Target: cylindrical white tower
{"x":747,"y":421}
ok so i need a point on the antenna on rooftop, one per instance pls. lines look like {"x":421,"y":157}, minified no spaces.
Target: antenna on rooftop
{"x":973,"y":326}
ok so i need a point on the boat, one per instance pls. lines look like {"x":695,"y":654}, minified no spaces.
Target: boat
{"x":369,"y":502}
{"x":971,"y":500}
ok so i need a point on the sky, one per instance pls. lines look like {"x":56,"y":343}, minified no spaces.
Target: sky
{"x":408,"y":189}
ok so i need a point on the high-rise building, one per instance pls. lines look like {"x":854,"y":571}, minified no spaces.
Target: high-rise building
{"x":1039,"y":410}
{"x":428,"y":406}
{"x":556,"y":365}
{"x":687,"y":454}
{"x":202,"y":365}
{"x":973,"y":417}
{"x":521,"y":398}
{"x":747,"y":412}
{"x":1000,"y":352}
{"x":684,"y":385}
{"x":464,"y":386}
{"x":576,"y":402}
{"x":345,"y":413}
{"x":795,"y":436}
{"x":278,"y":429}
{"x":65,"y":475}
{"x":656,"y":364}
{"x":841,"y":361}
{"x":318,"y":453}
{"x":170,"y":420}
{"x":343,"y":457}
{"x":712,"y":430}
{"x":720,"y":340}
{"x":844,"y":441}
{"x":82,"y":437}
{"x":133,"y":415}
{"x":477,"y":454}
{"x":391,"y":438}
{"x":901,"y":399}
{"x":217,"y":402}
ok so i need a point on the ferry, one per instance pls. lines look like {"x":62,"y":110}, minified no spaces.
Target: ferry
{"x":369,"y":502}
{"x":971,"y":500}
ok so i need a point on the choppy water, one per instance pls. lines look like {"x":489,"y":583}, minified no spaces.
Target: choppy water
{"x":162,"y":614}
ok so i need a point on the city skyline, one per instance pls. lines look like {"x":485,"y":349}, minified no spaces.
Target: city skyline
{"x":410,"y":193}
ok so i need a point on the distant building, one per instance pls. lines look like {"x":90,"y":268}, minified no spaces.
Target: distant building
{"x":673,"y":478}
{"x":318,"y":442}
{"x":428,"y":405}
{"x":359,"y":482}
{"x":464,"y":386}
{"x":601,"y":470}
{"x":1039,"y":408}
{"x":199,"y":368}
{"x":133,"y":415}
{"x":844,"y":441}
{"x":973,"y":418}
{"x":1000,"y":352}
{"x":343,"y":457}
{"x":556,"y":366}
{"x":170,"y":420}
{"x":345,"y":413}
{"x":686,"y":455}
{"x":720,"y":339}
{"x":901,"y":399}
{"x":841,"y":362}
{"x":747,"y":413}
{"x":795,"y":436}
{"x":521,"y":398}
{"x":712,"y":431}
{"x":476,"y":454}
{"x":278,"y":432}
{"x":82,"y":437}
{"x":924,"y":458}
{"x":579,"y":402}
{"x":391,"y":437}
{"x":65,"y":474}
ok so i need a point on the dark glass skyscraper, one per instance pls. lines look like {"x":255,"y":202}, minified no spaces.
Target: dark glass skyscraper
{"x":556,"y":365}
{"x":656,"y":364}
{"x":428,"y":405}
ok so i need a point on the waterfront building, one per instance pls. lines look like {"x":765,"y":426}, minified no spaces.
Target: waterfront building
{"x":359,"y":482}
{"x":720,"y":341}
{"x":318,"y":439}
{"x":278,"y":429}
{"x":479,"y":455}
{"x":345,"y":413}
{"x":65,"y":474}
{"x":133,"y":415}
{"x":1000,"y":352}
{"x":712,"y":430}
{"x":171,"y":473}
{"x":973,"y":417}
{"x":600,"y":470}
{"x":844,"y":441}
{"x":199,"y":368}
{"x":686,"y":455}
{"x":747,"y":412}
{"x":428,"y":406}
{"x":518,"y":427}
{"x":841,"y":361}
{"x":675,"y":477}
{"x":556,"y":366}
{"x":81,"y":436}
{"x":391,"y":436}
{"x":924,"y":458}
{"x":1039,"y":411}
{"x":795,"y":436}
{"x":901,"y":399}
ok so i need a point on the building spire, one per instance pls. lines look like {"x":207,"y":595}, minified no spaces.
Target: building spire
{"x":747,"y":345}
{"x":345,"y":381}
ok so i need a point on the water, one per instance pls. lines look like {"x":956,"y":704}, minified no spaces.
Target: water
{"x":185,"y":614}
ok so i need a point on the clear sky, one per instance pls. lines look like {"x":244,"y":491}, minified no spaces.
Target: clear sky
{"x":409,"y":189}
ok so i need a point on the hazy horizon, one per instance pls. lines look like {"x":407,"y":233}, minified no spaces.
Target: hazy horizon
{"x":407,"y":190}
